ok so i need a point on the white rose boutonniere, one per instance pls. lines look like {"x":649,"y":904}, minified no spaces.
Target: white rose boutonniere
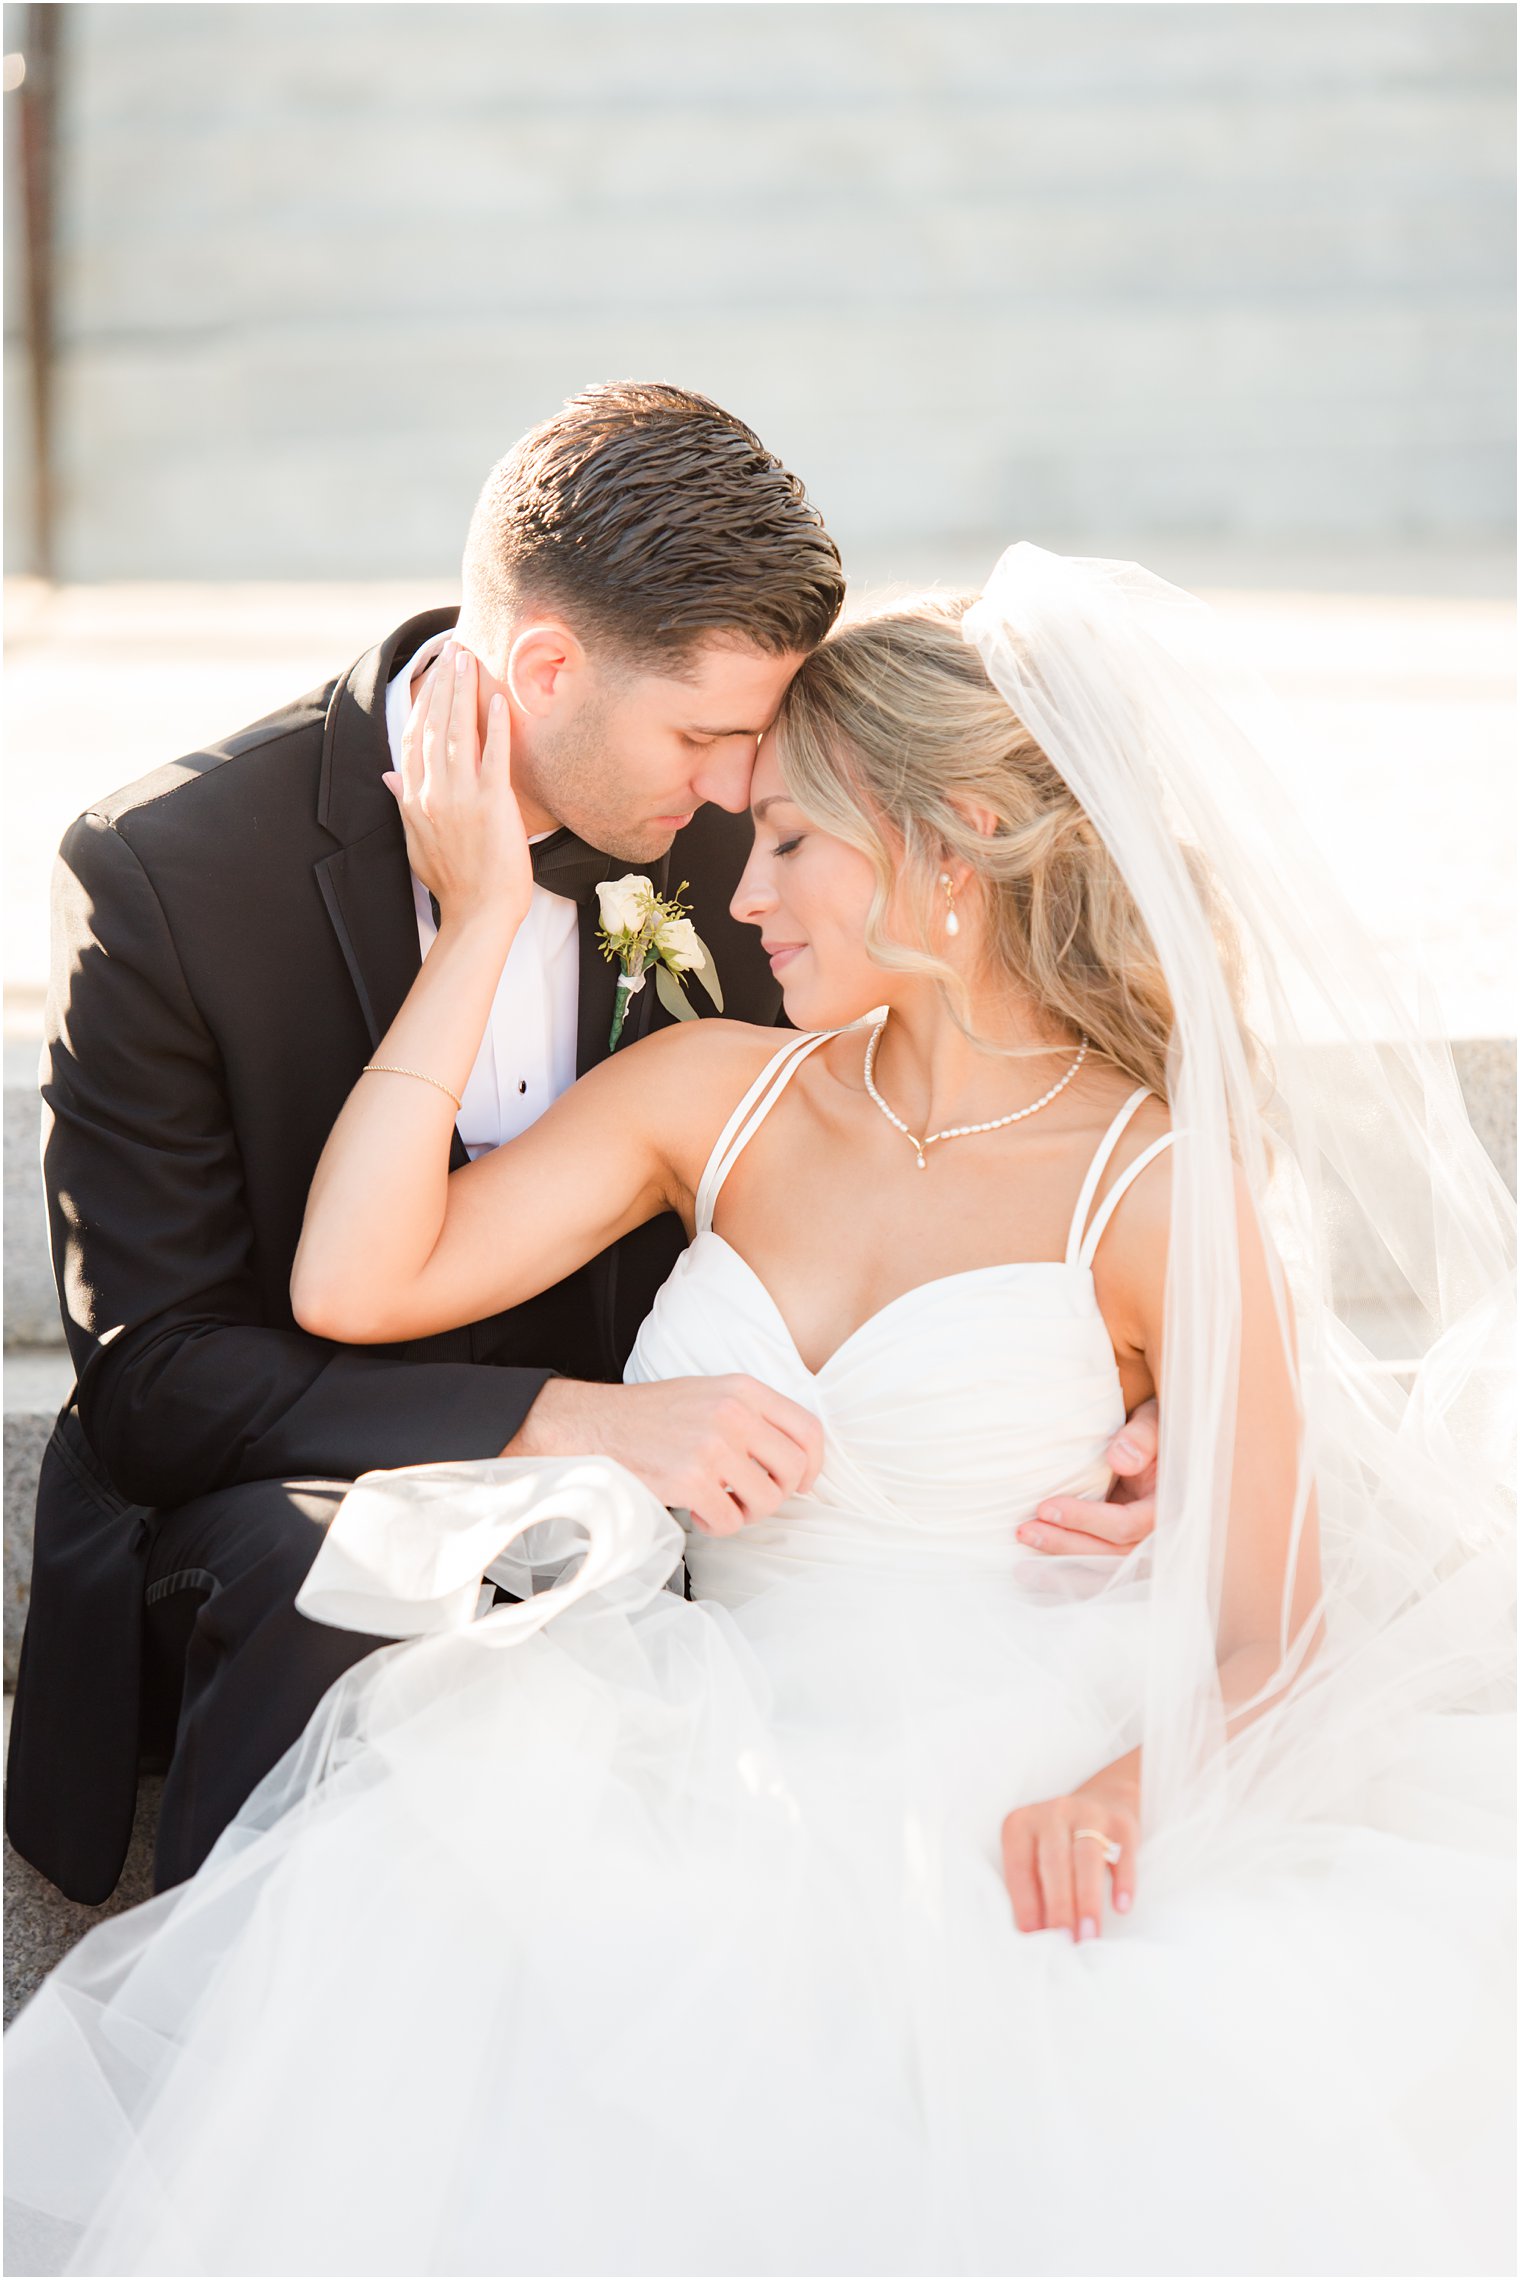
{"x":640,"y":928}
{"x":680,"y":945}
{"x":625,"y":903}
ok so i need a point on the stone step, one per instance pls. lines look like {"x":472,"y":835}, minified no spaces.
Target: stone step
{"x":41,"y":1925}
{"x":36,"y":1387}
{"x":31,"y":1303}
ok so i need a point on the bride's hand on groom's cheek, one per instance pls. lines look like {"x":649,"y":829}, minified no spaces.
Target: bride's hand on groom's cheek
{"x":464,"y":830}
{"x":1128,"y":1514}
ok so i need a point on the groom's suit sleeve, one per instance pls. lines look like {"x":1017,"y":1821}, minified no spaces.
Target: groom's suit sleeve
{"x":184,"y":1383}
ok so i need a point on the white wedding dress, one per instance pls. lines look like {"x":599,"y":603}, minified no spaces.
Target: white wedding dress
{"x":615,"y":1933}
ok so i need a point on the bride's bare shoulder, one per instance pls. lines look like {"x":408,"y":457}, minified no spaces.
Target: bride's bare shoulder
{"x":711,"y":1059}
{"x":685,"y":1082}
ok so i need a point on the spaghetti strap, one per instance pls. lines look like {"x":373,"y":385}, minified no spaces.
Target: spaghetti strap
{"x":1117,"y":1193}
{"x":1081,"y":1246}
{"x":1095,"y":1171}
{"x":748,"y":1117}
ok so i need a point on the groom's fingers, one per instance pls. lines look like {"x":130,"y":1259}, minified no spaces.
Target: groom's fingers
{"x":783,"y":1458}
{"x":1132,"y":1452}
{"x":750,"y":1488}
{"x":744,"y":1493}
{"x":800,"y":1426}
{"x":716,"y":1514}
{"x":1082,"y":1524}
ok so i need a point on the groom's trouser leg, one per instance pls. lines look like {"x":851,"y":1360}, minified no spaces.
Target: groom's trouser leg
{"x":223,"y":1574}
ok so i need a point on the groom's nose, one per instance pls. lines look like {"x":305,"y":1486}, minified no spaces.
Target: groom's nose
{"x":724,"y":776}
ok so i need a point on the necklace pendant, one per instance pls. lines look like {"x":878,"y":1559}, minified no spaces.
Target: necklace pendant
{"x":959,"y":1131}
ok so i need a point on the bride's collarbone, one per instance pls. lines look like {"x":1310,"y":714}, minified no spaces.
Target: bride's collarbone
{"x":828,"y":1208}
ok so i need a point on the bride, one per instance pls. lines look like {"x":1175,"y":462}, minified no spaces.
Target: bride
{"x":905,"y":1902}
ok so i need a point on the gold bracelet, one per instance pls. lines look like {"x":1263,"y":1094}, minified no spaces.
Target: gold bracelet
{"x":384,"y":1069}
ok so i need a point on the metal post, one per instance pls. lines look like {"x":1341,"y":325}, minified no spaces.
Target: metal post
{"x":37,"y":97}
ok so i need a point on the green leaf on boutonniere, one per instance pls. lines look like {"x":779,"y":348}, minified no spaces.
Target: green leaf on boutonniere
{"x":672,"y":996}
{"x":707,"y":975}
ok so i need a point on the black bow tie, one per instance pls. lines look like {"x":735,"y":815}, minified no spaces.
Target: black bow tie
{"x":568,"y":867}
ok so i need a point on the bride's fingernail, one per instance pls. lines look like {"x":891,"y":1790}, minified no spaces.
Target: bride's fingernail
{"x":1121,"y":1902}
{"x":1087,"y":1929}
{"x":496,"y":703}
{"x":1046,"y":1512}
{"x":1127,"y":1450}
{"x":461,"y":659}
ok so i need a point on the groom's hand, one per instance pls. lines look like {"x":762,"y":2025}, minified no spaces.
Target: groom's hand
{"x":1128,"y":1515}
{"x":728,"y":1450}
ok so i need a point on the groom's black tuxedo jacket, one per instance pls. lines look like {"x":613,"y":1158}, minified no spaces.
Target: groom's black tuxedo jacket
{"x":232,"y":936}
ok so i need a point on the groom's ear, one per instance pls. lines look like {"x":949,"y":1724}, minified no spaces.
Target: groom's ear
{"x":545,"y":670}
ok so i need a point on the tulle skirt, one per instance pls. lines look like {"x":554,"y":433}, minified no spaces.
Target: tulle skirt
{"x":671,"y":1938}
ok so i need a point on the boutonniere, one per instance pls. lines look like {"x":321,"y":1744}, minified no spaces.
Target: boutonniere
{"x":642,"y":930}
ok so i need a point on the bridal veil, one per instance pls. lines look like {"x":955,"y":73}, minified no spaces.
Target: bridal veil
{"x":1312,"y":1097}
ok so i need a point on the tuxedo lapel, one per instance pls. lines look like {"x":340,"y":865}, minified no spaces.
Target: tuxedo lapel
{"x":367,"y":889}
{"x":598,"y":990}
{"x":366,"y":883}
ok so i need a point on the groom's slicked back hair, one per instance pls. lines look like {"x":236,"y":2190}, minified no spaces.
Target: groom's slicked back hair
{"x":649,"y":516}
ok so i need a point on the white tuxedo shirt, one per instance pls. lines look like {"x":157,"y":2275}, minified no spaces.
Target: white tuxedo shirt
{"x":527,"y":1057}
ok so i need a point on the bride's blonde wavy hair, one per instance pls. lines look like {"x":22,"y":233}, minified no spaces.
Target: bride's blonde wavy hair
{"x":888,"y":725}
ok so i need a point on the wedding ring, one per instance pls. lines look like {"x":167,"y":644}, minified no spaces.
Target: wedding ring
{"x":1111,"y":1851}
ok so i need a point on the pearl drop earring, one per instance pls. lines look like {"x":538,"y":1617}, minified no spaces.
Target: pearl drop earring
{"x":952,"y":922}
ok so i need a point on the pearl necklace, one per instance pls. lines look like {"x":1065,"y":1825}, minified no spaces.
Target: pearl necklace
{"x":959,"y":1131}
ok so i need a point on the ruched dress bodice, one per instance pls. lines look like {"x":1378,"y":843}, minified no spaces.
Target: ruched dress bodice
{"x":947,"y":1416}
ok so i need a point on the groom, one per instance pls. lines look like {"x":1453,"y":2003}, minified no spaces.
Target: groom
{"x":232,"y":936}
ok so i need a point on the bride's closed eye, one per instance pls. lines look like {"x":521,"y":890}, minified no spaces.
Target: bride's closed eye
{"x":789,"y":846}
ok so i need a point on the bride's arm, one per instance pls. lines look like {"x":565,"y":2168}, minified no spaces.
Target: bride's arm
{"x":393,"y":1246}
{"x":1053,"y":1880}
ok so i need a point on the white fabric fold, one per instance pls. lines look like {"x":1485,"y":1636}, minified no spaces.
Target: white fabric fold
{"x":407,"y":1551}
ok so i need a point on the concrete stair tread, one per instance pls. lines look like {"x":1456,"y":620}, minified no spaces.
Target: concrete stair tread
{"x":41,"y":1925}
